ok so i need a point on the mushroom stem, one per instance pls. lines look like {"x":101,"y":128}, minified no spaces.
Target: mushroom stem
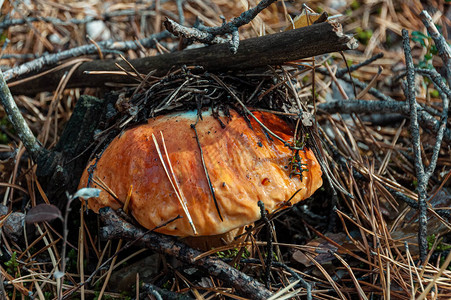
{"x":208,"y":242}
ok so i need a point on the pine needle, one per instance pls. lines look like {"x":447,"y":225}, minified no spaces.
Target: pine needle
{"x":175,"y":185}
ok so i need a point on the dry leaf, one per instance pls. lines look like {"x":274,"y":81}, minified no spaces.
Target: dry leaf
{"x":307,"y":18}
{"x":43,"y":212}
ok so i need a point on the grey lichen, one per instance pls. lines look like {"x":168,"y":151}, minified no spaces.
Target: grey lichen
{"x":20,"y":125}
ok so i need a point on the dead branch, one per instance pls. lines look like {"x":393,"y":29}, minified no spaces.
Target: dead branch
{"x":422,"y":174}
{"x":444,"y":50}
{"x":274,"y":49}
{"x":30,"y":142}
{"x":192,"y":33}
{"x":117,"y":228}
{"x":209,"y":35}
{"x":370,"y":107}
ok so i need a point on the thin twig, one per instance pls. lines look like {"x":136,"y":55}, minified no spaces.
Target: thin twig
{"x":362,"y":106}
{"x":30,"y":142}
{"x":445,"y":94}
{"x":342,"y":71}
{"x":416,"y":145}
{"x":180,"y":11}
{"x":269,"y":246}
{"x":436,"y":79}
{"x":192,"y":33}
{"x":152,"y":289}
{"x":443,"y":48}
{"x":210,"y":35}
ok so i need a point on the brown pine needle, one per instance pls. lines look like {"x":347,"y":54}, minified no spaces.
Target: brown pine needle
{"x":354,"y":279}
{"x":436,"y":277}
{"x":329,"y":279}
{"x":127,"y":200}
{"x":104,"y":186}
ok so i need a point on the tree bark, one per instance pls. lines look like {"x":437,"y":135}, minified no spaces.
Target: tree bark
{"x":252,"y":53}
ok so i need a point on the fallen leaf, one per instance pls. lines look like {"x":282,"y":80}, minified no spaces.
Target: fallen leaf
{"x":307,"y":18}
{"x":323,"y":250}
{"x":43,"y":212}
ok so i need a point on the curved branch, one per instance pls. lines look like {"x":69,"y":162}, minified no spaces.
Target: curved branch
{"x":244,"y":284}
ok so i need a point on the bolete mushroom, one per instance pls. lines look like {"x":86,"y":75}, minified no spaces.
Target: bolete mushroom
{"x":212,"y":175}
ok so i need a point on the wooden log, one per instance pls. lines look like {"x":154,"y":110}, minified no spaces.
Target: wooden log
{"x":273,"y":49}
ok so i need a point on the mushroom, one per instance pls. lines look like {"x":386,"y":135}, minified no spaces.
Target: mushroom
{"x":212,"y":174}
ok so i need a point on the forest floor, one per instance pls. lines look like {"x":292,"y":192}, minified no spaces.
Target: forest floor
{"x":355,"y":238}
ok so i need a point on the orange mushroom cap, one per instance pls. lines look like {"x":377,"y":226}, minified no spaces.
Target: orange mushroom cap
{"x":244,"y":165}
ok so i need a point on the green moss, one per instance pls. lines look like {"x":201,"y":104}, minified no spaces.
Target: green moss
{"x":434,"y":93}
{"x":363,"y":36}
{"x":12,"y":264}
{"x":355,"y":4}
{"x":440,"y":245}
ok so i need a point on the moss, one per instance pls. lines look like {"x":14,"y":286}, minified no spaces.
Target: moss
{"x":363,"y":36}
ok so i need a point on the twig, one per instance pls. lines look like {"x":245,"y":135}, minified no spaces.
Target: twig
{"x":436,"y":79}
{"x":342,"y":71}
{"x":154,"y":292}
{"x":150,"y":288}
{"x":52,"y":59}
{"x":243,"y":19}
{"x":209,"y":35}
{"x":30,"y":142}
{"x":445,"y":94}
{"x":444,"y":50}
{"x":245,"y":285}
{"x":192,"y":33}
{"x":362,"y":106}
{"x":341,"y":160}
{"x":357,"y":83}
{"x":269,"y":246}
{"x":180,"y":11}
{"x":422,"y":178}
{"x":60,"y":276}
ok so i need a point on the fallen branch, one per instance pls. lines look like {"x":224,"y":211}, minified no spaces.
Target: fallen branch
{"x":371,"y":107}
{"x":274,"y":49}
{"x":423,"y":175}
{"x":244,"y":284}
{"x":24,"y":133}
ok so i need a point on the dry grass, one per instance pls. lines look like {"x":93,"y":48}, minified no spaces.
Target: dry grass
{"x":373,"y":252}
